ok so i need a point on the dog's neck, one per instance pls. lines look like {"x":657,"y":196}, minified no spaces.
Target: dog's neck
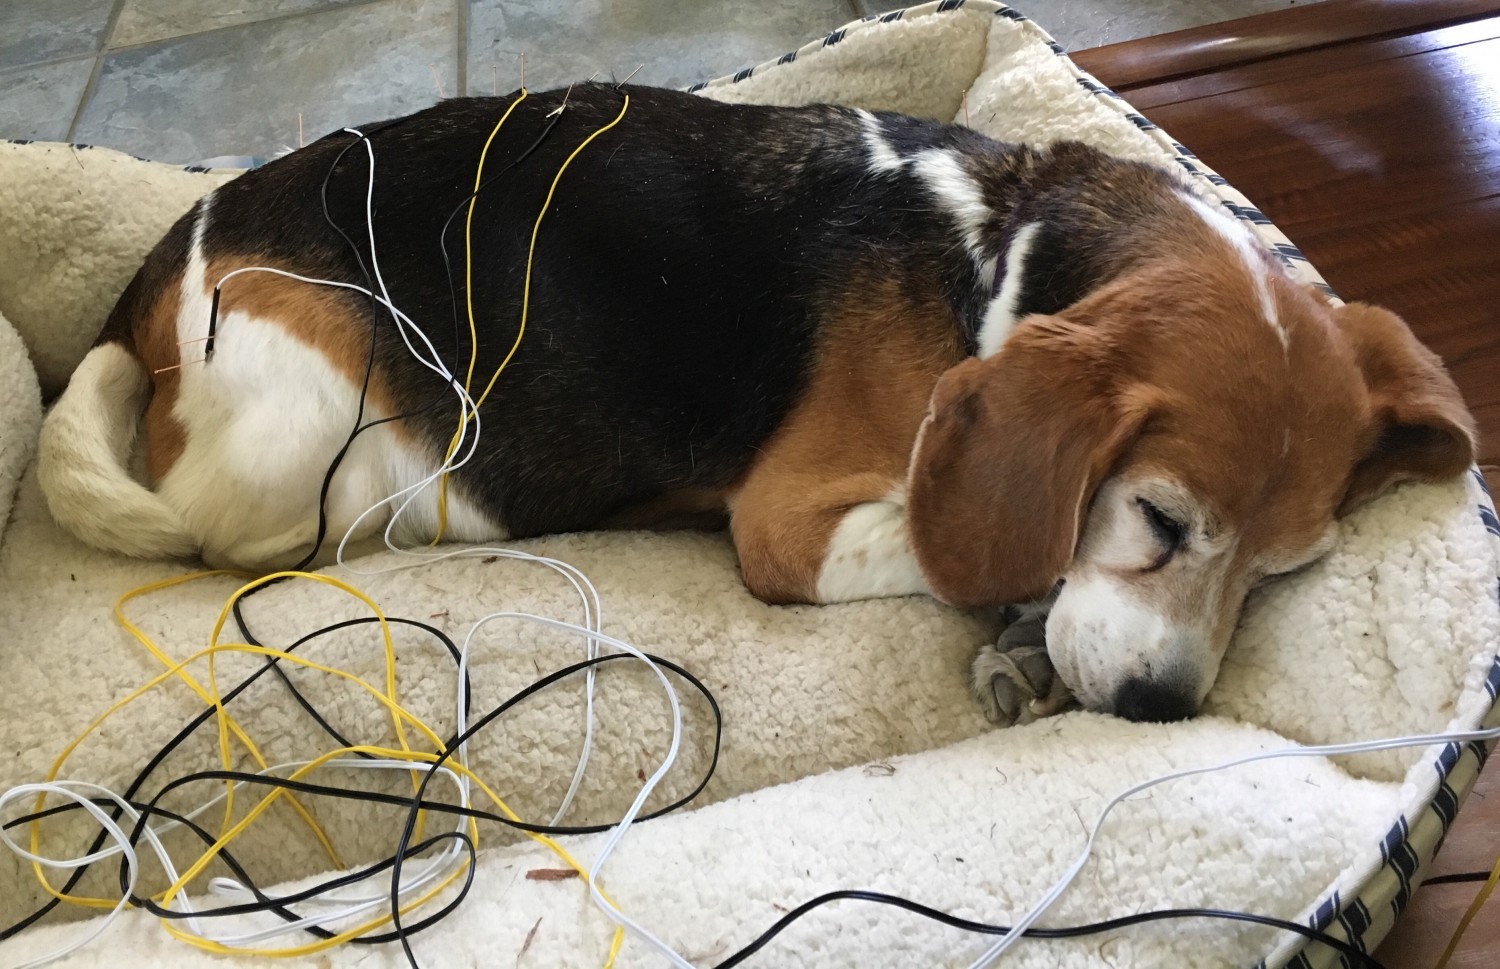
{"x":1066,"y":222}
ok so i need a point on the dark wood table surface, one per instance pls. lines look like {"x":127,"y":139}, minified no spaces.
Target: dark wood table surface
{"x":1369,"y":132}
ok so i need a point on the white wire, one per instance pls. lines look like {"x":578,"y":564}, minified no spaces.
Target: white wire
{"x":466,"y":403}
{"x":228,"y":886}
{"x":593,"y":612}
{"x":77,"y":791}
{"x":1326,"y":750}
{"x":623,"y":825}
{"x":436,"y":867}
{"x":413,"y":880}
{"x":591,"y":630}
{"x":450,"y":462}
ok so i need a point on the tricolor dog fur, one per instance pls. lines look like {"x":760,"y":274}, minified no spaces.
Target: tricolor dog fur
{"x":900,"y":357}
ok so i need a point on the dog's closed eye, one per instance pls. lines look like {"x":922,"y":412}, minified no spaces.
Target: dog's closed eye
{"x":1170,"y":533}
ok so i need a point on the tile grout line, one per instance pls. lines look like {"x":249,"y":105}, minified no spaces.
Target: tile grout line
{"x":461,"y":62}
{"x":31,"y":65}
{"x":92,"y":84}
{"x":277,"y":18}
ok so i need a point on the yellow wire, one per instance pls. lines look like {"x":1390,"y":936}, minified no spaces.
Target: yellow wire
{"x":525,"y":308}
{"x":417,"y":756}
{"x":172,"y":669}
{"x":1473,"y":910}
{"x":239,"y":828}
{"x":390,"y":669}
{"x":398,"y":713}
{"x":212,"y":695}
{"x":177,"y":669}
{"x":225,"y":721}
{"x":463,"y":414}
{"x":531,"y":251}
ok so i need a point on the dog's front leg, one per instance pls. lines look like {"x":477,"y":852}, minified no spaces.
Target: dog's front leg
{"x":803,"y":540}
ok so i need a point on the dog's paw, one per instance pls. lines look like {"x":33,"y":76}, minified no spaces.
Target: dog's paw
{"x":1013,"y":677}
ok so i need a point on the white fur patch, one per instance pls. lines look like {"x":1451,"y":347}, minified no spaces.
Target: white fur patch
{"x":265,"y":417}
{"x":1251,"y":254}
{"x":869,"y":556}
{"x":1000,"y":315}
{"x":419,"y":521}
{"x":883,"y":158}
{"x":961,"y":196}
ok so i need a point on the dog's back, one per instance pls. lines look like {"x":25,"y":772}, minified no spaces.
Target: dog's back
{"x":679,"y":282}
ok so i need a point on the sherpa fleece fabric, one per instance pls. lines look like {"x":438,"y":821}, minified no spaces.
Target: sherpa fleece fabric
{"x":853,"y":755}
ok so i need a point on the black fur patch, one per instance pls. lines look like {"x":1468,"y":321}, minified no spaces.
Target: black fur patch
{"x":680,"y":278}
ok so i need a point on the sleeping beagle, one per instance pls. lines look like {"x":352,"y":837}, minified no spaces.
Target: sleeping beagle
{"x":903,"y":358}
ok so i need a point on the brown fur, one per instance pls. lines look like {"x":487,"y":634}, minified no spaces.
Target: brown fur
{"x":325,"y":319}
{"x":1006,"y":466}
{"x":155,"y":338}
{"x":1424,"y":431}
{"x":331,"y":321}
{"x":848,"y":439}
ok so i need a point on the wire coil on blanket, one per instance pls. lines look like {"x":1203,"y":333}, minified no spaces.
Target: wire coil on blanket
{"x":144,"y":810}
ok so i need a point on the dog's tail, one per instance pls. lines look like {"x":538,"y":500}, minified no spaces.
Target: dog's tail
{"x":84,"y":455}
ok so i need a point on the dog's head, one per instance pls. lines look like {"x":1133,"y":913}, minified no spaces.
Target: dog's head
{"x":1181,"y":434}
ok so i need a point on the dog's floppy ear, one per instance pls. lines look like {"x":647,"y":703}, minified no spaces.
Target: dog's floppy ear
{"x":1421,"y":429}
{"x":1009,"y":458}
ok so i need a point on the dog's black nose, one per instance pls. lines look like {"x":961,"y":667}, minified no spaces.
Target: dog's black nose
{"x":1152,"y":701}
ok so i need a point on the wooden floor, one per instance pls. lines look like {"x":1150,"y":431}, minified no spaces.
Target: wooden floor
{"x":1369,"y":132}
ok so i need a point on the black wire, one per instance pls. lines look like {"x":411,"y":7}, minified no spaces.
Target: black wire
{"x":322,"y":528}
{"x":1466,"y":876}
{"x":338,"y":458}
{"x":1067,"y":932}
{"x":264,"y":903}
{"x":166,"y":750}
{"x":359,"y":428}
{"x":277,"y":904}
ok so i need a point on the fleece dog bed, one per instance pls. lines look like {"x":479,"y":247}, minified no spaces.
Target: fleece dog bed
{"x":853,"y":755}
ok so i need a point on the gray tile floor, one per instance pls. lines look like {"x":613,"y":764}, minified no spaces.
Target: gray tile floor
{"x":185,"y":80}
